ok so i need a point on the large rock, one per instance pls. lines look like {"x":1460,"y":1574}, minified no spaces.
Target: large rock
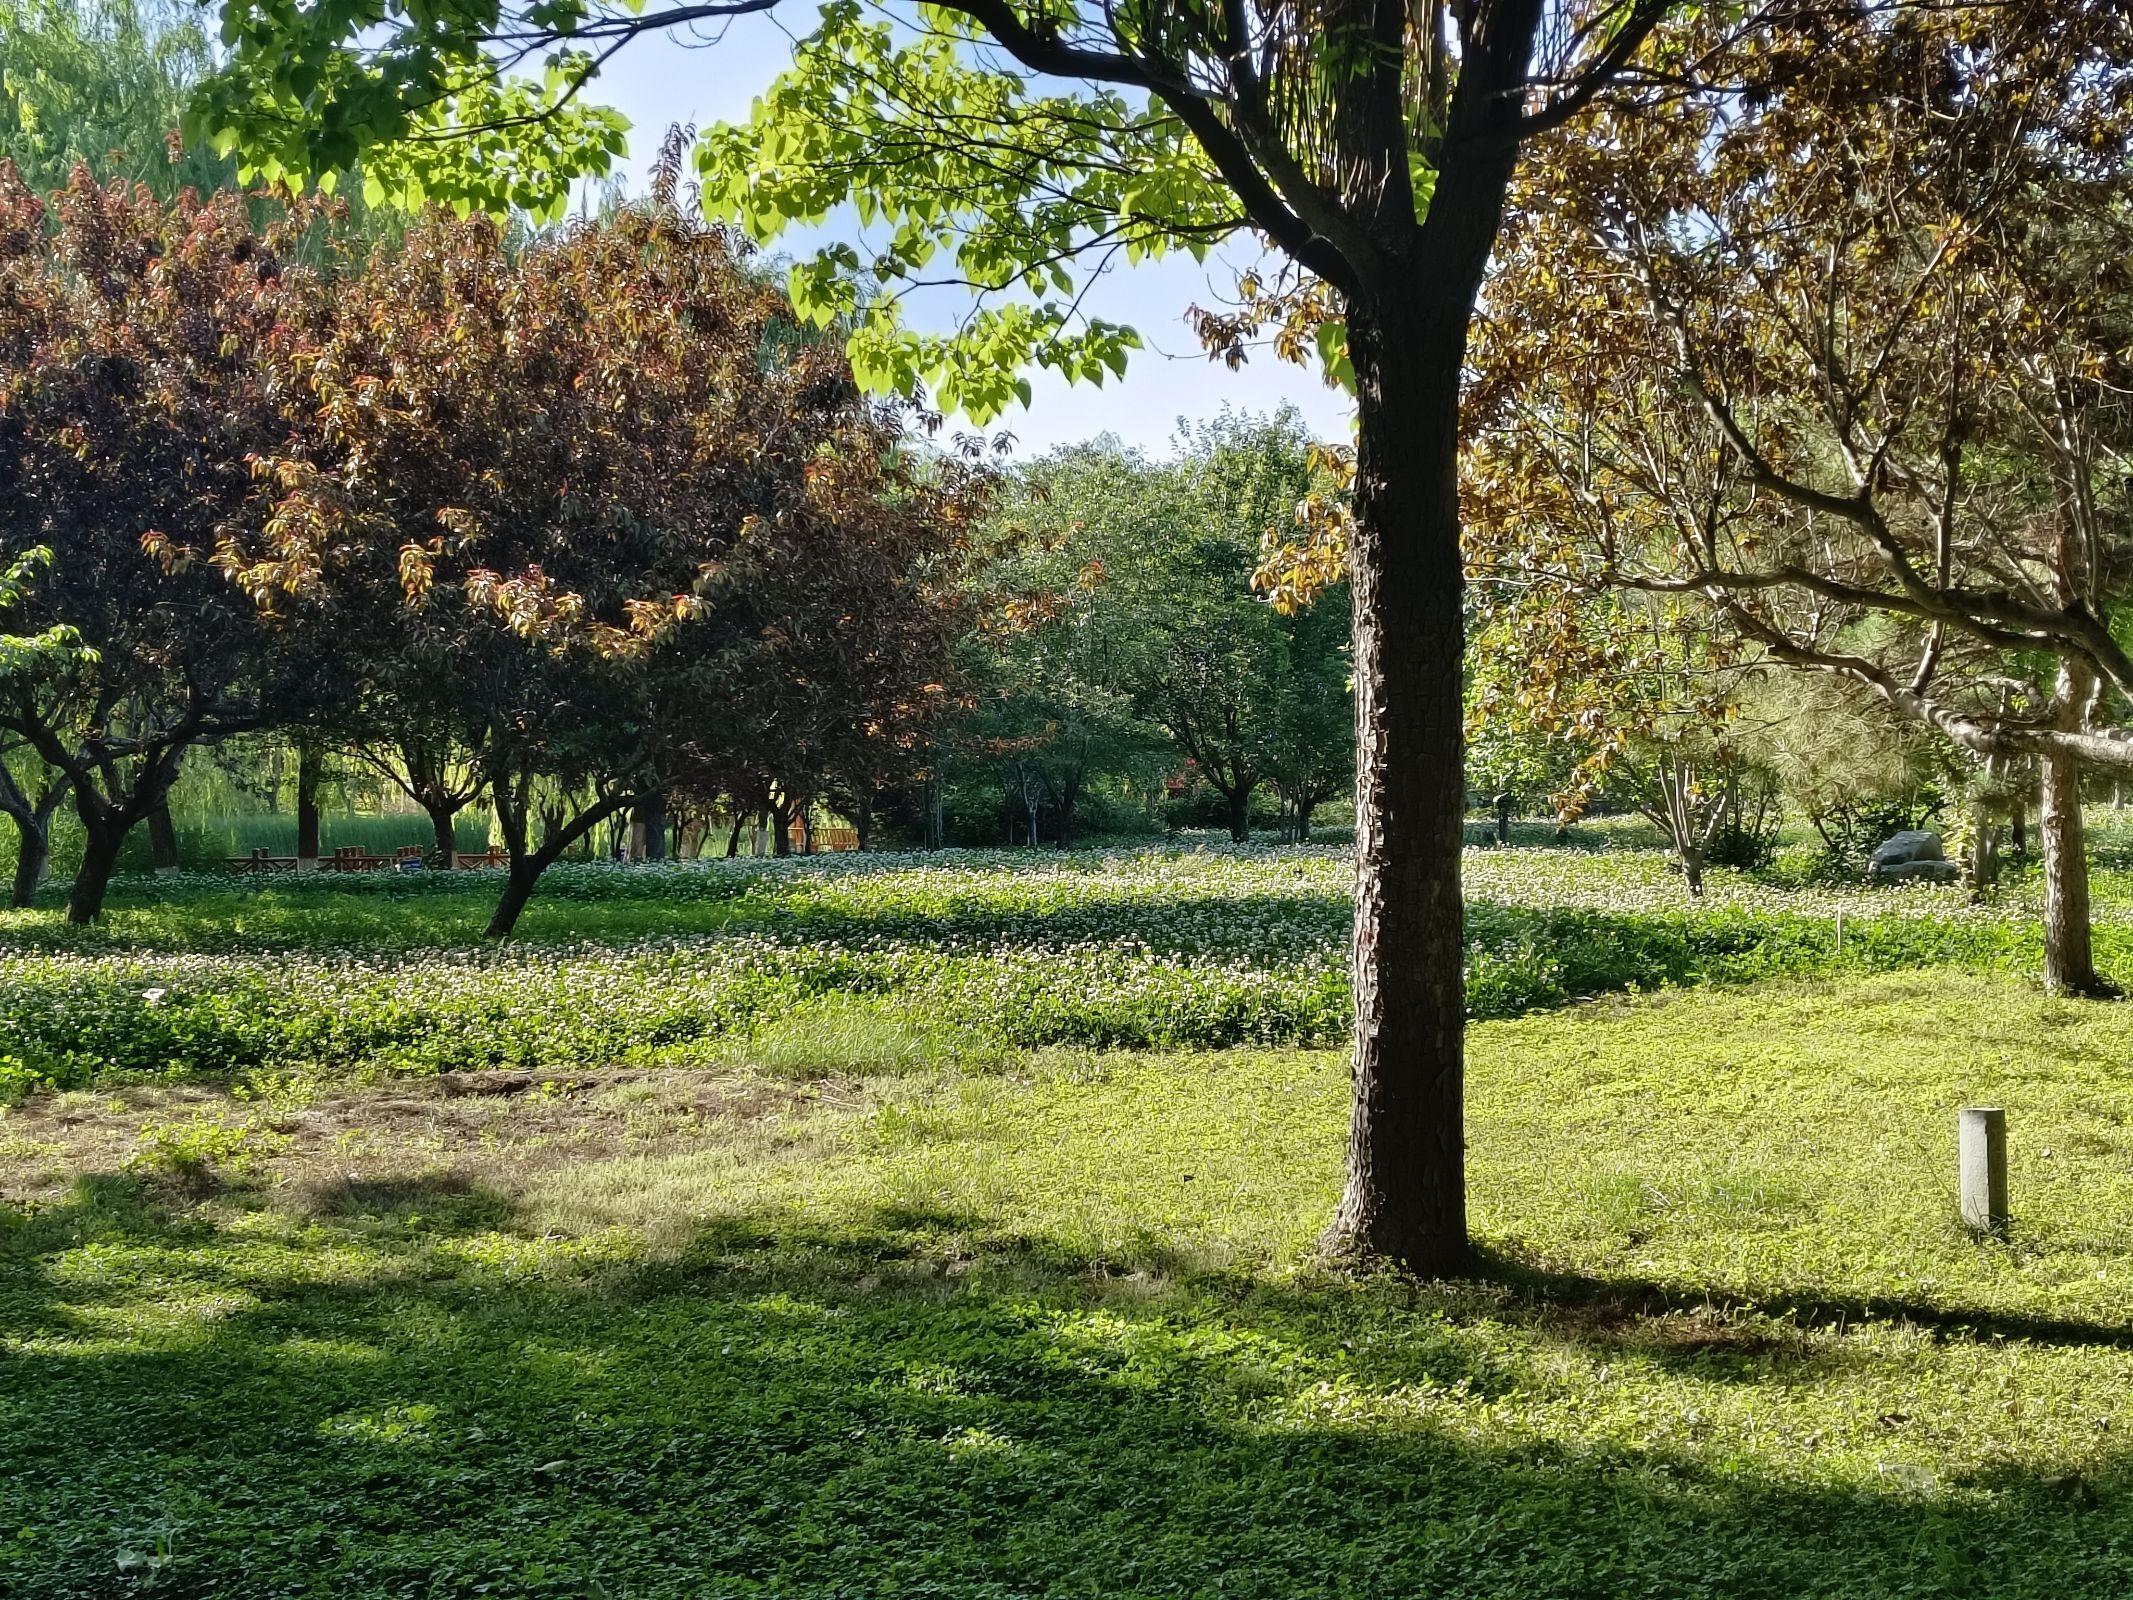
{"x":1913,"y":844}
{"x":1915,"y":872}
{"x":1913,"y":856}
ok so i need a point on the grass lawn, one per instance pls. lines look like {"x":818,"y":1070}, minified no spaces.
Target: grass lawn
{"x":968,"y":957}
{"x":1053,"y":1330}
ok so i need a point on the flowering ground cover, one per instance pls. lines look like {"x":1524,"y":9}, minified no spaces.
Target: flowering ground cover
{"x":952,"y":958}
{"x":1054,"y":1329}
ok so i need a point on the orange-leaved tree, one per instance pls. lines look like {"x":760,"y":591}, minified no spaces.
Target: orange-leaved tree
{"x":1845,"y":365}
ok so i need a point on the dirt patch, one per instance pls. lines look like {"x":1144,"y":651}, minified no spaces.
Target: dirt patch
{"x":440,"y":1147}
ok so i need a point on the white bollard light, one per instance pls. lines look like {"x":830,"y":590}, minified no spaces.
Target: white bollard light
{"x":1981,"y":1168}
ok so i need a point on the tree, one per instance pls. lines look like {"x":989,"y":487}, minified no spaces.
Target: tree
{"x":31,"y":661}
{"x":1372,"y":143}
{"x":1632,"y":698}
{"x":1856,"y":769}
{"x":1137,"y":621}
{"x":1848,"y":364}
{"x":103,"y":82}
{"x":591,"y":529}
{"x":427,"y":761}
{"x":140,"y":344}
{"x":1310,"y":745}
{"x":1221,"y":670}
{"x":1054,"y":712}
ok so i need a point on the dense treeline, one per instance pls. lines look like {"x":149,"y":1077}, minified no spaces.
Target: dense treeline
{"x":578,"y":530}
{"x":585,"y":533}
{"x":565,"y":513}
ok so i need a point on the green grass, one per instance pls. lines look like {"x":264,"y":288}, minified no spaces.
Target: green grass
{"x":969,"y":953}
{"x":1054,"y":1330}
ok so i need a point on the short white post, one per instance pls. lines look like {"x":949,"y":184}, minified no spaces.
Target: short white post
{"x":1981,"y":1149}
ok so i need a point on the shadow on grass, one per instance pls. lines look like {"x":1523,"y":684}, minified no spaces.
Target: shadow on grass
{"x":1625,"y":1302}
{"x":446,"y":1203}
{"x":904,"y":1402}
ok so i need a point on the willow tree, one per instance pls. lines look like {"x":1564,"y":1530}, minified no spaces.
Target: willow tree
{"x":1018,"y":146}
{"x":103,"y":82}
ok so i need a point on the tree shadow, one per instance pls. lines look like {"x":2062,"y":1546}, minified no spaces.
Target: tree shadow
{"x":905,"y":1400}
{"x":444,"y":1203}
{"x":1602,"y":1303}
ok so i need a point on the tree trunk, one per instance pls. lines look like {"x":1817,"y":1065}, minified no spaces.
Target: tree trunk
{"x":1985,"y":853}
{"x":1692,"y":869}
{"x":100,"y":853}
{"x":518,"y":889}
{"x":527,"y":866}
{"x":309,"y":765}
{"x":1240,"y":814}
{"x":1405,"y":1198}
{"x":33,"y":830}
{"x":651,"y":821}
{"x":163,"y":840}
{"x":780,"y":831}
{"x":444,"y":832}
{"x":733,"y":839}
{"x":2018,"y":828}
{"x":33,"y":854}
{"x":2069,"y":964}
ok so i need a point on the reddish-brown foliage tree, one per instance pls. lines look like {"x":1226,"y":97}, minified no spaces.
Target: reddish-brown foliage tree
{"x":145,"y":352}
{"x":609,"y":522}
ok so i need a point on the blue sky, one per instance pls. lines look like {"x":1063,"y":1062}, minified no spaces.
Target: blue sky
{"x":659,"y":81}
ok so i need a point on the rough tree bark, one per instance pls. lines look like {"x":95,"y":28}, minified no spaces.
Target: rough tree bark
{"x":1240,"y":815}
{"x":1405,"y":1198}
{"x":2069,"y":960}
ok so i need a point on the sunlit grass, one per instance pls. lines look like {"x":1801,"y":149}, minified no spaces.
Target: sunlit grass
{"x":963,"y":955}
{"x":1057,"y":1329}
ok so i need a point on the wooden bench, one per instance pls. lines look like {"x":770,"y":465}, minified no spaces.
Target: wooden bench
{"x":349,"y":858}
